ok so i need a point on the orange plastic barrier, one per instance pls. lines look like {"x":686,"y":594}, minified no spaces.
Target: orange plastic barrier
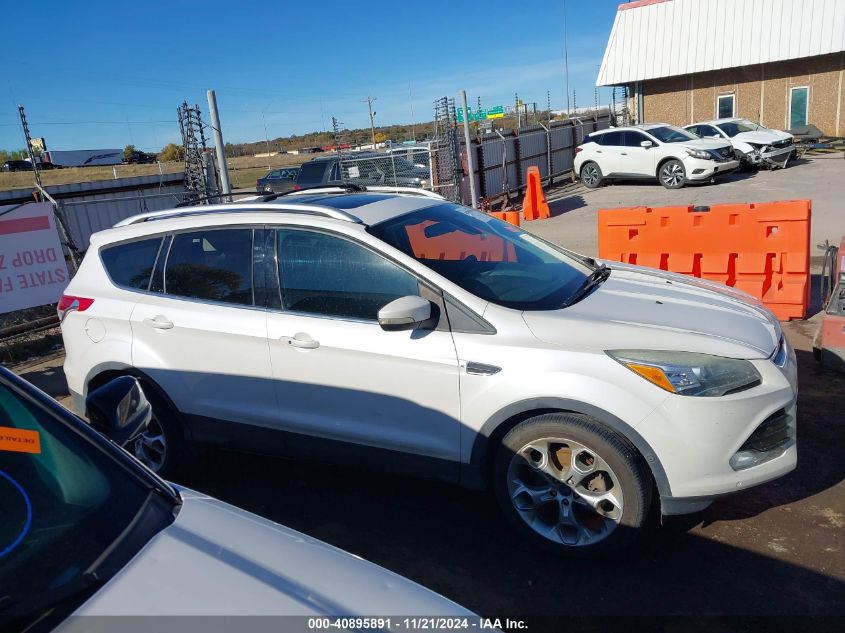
{"x":484,"y":247}
{"x":507,"y":216}
{"x":761,"y":248}
{"x":534,"y":207}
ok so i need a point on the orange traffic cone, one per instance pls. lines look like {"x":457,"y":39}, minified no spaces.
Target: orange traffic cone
{"x":535,"y":207}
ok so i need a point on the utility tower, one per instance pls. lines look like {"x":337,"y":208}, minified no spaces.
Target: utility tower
{"x":336,"y":131}
{"x":193,"y":140}
{"x":28,"y":138}
{"x":369,"y":102}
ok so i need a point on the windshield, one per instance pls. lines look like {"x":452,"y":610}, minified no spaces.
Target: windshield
{"x":64,"y":502}
{"x":671,"y":134}
{"x":491,"y":259}
{"x":732,"y":128}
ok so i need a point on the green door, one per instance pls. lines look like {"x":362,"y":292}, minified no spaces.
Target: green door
{"x":798,"y":107}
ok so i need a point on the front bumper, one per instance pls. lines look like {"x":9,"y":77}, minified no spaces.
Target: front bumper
{"x":695,"y":438}
{"x":776,"y":157}
{"x":700,"y":169}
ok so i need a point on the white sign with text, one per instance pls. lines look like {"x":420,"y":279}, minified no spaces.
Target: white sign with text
{"x":33,"y":271}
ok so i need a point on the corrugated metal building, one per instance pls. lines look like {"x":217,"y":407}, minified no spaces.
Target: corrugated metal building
{"x":778,"y":62}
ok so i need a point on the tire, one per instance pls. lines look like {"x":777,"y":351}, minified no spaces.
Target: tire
{"x":672,"y":174}
{"x":161,"y":447}
{"x":591,"y":175}
{"x":603,"y":511}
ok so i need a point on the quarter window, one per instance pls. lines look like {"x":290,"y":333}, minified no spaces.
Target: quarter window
{"x":130,"y":265}
{"x":328,"y":275}
{"x":214,"y":265}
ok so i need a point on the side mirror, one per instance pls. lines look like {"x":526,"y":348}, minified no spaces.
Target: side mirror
{"x":404,"y":313}
{"x":119,"y":409}
{"x":646,"y":144}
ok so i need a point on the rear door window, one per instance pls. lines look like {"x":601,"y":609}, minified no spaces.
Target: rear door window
{"x":130,"y":265}
{"x":213,"y":265}
{"x":311,"y":173}
{"x":612,"y":138}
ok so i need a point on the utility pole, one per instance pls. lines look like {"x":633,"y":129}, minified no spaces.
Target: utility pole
{"x":336,"y":130}
{"x":470,"y":153}
{"x":369,"y":101}
{"x":566,"y":58}
{"x":225,"y":187}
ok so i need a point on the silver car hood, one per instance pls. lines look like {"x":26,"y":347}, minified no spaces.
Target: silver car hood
{"x":644,"y":308}
{"x":762,"y":137}
{"x":216,"y":559}
{"x":702,"y":143}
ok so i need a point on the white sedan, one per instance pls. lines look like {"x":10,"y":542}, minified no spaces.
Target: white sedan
{"x":757,"y":145}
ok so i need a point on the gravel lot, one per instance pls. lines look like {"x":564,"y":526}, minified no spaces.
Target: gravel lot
{"x":775,"y":550}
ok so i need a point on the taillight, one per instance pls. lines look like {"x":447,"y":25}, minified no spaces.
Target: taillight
{"x":257,"y":185}
{"x":578,"y":149}
{"x":69,"y":303}
{"x":296,"y":187}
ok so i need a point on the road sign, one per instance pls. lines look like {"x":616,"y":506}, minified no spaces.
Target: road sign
{"x":32,"y":266}
{"x":496,"y":112}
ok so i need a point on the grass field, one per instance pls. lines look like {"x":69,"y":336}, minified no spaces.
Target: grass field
{"x":243,"y":172}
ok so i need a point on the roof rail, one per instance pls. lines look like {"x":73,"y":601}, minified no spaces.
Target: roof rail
{"x":302,"y":209}
{"x":415,"y":191}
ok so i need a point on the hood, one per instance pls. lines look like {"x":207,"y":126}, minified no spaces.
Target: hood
{"x":702,"y":143}
{"x":762,"y":137}
{"x":216,"y":559}
{"x":643,"y":308}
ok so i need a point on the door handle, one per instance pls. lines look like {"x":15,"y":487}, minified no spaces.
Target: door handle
{"x":598,"y":151}
{"x":159,"y":322}
{"x":301,"y":340}
{"x":624,"y":153}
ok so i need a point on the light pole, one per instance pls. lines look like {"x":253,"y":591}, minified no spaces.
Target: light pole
{"x":369,"y":101}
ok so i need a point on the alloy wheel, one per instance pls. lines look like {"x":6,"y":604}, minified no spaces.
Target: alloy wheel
{"x":565,"y":491}
{"x":672,"y":174}
{"x":590,"y":175}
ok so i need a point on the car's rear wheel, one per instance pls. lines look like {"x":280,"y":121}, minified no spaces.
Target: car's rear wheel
{"x":672,"y":174}
{"x":591,"y":175}
{"x":571,"y":485}
{"x":161,"y":447}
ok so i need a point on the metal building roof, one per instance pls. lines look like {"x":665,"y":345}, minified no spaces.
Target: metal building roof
{"x":666,"y":38}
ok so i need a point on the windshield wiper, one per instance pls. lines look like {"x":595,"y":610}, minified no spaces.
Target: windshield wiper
{"x":596,"y":278}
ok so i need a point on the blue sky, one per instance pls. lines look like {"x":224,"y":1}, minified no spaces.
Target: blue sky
{"x":95,"y":74}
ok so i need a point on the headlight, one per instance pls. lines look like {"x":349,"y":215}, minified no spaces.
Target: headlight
{"x":689,"y":373}
{"x":699,"y":153}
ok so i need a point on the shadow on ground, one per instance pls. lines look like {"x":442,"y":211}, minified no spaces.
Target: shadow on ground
{"x":457,"y":543}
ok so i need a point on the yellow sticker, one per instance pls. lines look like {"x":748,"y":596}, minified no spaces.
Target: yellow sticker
{"x":19,"y":440}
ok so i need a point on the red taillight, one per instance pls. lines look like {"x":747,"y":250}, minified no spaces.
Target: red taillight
{"x":577,"y":149}
{"x":257,"y":185}
{"x":68,"y":303}
{"x":296,"y":187}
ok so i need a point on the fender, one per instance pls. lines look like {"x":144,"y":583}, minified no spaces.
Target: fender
{"x":474,"y":474}
{"x":146,"y":382}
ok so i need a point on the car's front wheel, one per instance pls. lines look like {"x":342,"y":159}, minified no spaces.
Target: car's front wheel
{"x":591,"y":175}
{"x":571,"y":485}
{"x":672,"y":174}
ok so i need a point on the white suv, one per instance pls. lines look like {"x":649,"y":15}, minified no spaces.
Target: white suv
{"x":405,"y":331}
{"x":657,"y":150}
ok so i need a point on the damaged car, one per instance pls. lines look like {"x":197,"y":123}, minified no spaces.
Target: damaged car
{"x":755,"y":145}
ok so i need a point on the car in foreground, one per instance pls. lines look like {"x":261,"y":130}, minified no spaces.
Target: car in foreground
{"x":659,"y":151}
{"x":361,"y":168}
{"x":277,"y":180}
{"x":401,"y":331}
{"x":757,"y":146}
{"x":87,"y":532}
